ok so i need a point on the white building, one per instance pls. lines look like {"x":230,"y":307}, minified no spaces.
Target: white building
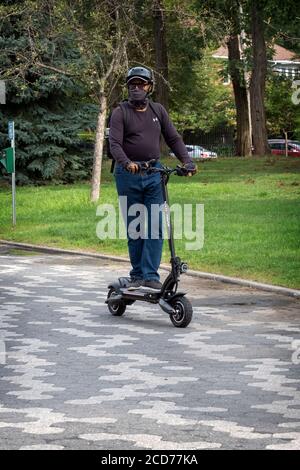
{"x":283,"y":62}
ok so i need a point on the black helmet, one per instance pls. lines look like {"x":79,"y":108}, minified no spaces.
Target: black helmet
{"x":140,"y":72}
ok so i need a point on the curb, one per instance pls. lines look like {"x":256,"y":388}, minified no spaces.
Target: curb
{"x":199,"y":274}
{"x":48,"y":249}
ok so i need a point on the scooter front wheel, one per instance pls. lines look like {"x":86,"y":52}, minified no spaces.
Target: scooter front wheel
{"x":183,"y":312}
{"x":116,"y":308}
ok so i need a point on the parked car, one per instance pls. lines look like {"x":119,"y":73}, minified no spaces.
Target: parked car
{"x":277,"y":147}
{"x":198,"y":152}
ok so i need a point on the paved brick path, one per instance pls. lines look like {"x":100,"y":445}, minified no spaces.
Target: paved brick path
{"x":74,"y":377}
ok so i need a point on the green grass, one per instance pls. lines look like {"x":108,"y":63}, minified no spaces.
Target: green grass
{"x":252,"y":215}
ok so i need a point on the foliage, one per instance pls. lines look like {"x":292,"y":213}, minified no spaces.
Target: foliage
{"x":283,"y":23}
{"x":54,"y":55}
{"x":282,"y":113}
{"x":48,"y":104}
{"x":210,"y":103}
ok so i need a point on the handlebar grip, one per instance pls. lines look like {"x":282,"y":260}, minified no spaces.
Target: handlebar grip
{"x":181,"y":171}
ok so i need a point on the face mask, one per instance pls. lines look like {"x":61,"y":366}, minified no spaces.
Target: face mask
{"x":137,"y":97}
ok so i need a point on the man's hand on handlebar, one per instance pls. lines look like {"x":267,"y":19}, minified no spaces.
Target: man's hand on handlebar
{"x":132,"y":167}
{"x":189,"y":169}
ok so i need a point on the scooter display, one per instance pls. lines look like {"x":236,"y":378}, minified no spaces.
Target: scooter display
{"x":170,"y":300}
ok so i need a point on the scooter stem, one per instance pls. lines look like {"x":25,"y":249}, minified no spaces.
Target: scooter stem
{"x":174,"y":260}
{"x":164,"y":182}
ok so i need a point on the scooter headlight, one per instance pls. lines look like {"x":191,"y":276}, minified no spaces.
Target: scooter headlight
{"x":183,"y":267}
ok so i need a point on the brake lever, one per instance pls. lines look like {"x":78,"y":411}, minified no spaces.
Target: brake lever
{"x":181,"y":171}
{"x":147,"y":166}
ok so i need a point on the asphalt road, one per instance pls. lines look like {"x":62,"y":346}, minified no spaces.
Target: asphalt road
{"x":75,"y":377}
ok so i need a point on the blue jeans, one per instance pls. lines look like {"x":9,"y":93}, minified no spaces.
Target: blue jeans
{"x":145,"y":251}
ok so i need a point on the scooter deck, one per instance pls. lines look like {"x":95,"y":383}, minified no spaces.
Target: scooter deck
{"x":138,"y":294}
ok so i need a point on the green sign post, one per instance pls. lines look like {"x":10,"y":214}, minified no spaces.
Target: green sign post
{"x":7,"y":158}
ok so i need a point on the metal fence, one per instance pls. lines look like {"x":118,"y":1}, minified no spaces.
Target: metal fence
{"x":219,"y":140}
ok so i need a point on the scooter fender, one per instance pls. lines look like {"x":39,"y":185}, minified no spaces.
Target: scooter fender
{"x":115,"y":285}
{"x":166,"y":304}
{"x":175,"y":296}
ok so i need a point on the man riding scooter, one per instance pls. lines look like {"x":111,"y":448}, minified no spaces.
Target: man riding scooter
{"x":134,"y":137}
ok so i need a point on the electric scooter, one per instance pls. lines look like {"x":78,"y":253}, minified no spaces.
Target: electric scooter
{"x":174,"y":303}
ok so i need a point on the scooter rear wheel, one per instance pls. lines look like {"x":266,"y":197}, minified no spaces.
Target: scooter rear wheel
{"x":116,"y":308}
{"x":183,"y":312}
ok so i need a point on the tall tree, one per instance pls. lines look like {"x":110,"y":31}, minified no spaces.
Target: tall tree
{"x":229,"y":12}
{"x":161,"y":53}
{"x":104,"y":31}
{"x":239,"y":78}
{"x":236,"y":66}
{"x":258,"y":80}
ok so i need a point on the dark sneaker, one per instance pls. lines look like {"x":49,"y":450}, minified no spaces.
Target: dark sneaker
{"x":134,"y":283}
{"x":152,"y":285}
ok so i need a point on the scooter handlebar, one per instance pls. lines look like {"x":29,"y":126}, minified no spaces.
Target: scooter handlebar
{"x":148,"y":168}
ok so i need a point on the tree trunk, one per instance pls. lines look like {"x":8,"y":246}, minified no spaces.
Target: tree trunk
{"x":161,"y":54}
{"x":243,"y":137}
{"x":258,"y":81}
{"x":98,"y":152}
